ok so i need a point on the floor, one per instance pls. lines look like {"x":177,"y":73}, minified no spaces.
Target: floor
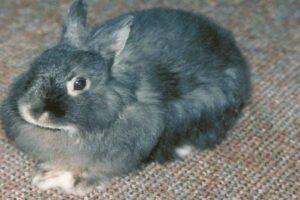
{"x":259,"y":160}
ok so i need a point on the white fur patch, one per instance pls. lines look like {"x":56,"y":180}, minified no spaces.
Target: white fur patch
{"x":43,"y":120}
{"x":25,"y":113}
{"x":183,"y":151}
{"x":54,"y":179}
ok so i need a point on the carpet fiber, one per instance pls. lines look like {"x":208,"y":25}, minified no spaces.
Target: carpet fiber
{"x":259,"y":160}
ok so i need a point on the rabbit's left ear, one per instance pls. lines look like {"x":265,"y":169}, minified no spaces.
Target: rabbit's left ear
{"x":75,"y":30}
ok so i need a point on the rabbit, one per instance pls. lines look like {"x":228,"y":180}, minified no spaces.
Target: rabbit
{"x":147,"y":86}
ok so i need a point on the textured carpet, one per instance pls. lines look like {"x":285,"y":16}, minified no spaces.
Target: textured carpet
{"x":261,"y":157}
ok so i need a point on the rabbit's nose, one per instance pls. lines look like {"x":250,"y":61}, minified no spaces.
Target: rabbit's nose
{"x":54,"y":107}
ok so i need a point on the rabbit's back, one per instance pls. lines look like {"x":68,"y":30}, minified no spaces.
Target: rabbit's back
{"x":179,"y":51}
{"x":193,"y":68}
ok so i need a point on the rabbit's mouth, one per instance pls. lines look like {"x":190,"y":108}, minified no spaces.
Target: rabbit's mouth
{"x":42,"y":120}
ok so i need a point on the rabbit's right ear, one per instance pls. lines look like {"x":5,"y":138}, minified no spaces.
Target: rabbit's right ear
{"x":110,"y":39}
{"x":75,"y":27}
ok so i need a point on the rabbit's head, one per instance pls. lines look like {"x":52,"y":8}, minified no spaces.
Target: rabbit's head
{"x":66,"y":86}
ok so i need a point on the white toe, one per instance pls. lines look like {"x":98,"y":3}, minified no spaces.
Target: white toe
{"x":183,"y":151}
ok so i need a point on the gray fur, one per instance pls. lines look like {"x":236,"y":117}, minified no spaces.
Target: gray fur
{"x":176,"y":78}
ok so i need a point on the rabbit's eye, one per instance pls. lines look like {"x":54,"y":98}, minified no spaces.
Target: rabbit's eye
{"x":79,"y":84}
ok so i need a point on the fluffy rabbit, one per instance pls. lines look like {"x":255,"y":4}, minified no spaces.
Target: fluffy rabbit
{"x":145,"y":86}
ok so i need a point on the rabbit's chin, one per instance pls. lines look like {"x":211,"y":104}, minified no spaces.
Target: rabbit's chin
{"x":43,"y":120}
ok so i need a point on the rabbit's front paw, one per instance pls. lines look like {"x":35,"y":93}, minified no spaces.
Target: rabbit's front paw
{"x":54,"y":179}
{"x":64,"y":180}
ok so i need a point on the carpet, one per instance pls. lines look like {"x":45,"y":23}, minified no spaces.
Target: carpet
{"x":261,"y":157}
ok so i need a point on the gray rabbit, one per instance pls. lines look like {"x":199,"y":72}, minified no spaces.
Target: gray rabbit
{"x":146,"y":86}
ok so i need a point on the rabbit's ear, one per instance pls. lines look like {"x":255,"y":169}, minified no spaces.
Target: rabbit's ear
{"x":111,"y":38}
{"x":75,"y":29}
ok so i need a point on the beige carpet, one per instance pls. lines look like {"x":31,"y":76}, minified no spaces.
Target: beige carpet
{"x":259,"y":160}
